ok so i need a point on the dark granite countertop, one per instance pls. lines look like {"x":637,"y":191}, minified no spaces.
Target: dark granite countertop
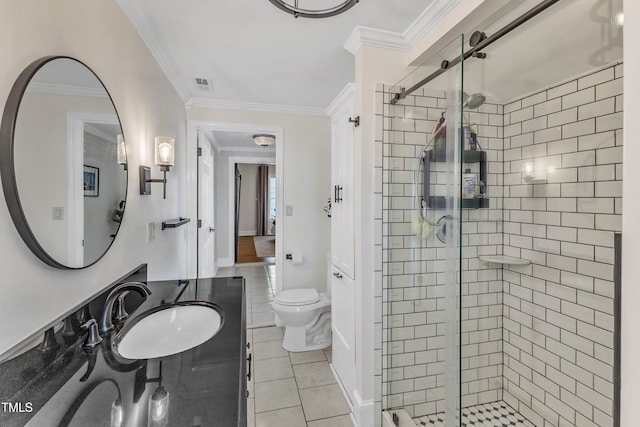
{"x":67,"y":385}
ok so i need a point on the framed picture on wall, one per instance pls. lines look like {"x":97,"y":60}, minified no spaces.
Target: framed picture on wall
{"x":91,"y":181}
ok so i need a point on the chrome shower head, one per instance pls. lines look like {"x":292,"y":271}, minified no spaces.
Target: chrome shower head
{"x":473,"y":101}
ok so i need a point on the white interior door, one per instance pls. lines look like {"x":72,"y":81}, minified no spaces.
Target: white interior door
{"x":206,"y":201}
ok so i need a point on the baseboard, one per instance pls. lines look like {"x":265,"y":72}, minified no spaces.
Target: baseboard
{"x":248,"y":233}
{"x":225,"y":262}
{"x":363,"y":410}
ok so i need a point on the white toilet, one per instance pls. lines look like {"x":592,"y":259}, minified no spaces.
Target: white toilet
{"x":306,"y":315}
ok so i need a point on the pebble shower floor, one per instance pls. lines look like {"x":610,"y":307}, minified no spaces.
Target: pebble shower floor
{"x":496,"y":414}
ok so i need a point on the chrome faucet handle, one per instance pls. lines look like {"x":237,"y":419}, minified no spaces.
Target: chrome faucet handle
{"x":121,"y":313}
{"x":93,"y":337}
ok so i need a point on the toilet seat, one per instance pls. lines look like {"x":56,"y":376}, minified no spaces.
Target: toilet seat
{"x":296,"y":297}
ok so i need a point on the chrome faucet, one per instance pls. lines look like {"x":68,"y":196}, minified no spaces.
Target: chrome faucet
{"x":106,"y":324}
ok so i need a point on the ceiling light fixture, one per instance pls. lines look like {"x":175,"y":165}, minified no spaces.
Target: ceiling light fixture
{"x":309,"y":12}
{"x":264,"y":140}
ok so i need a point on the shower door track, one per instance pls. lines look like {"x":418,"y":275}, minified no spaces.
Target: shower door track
{"x":475,"y":50}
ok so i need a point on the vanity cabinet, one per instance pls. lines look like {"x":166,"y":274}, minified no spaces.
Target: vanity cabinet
{"x":342,"y":188}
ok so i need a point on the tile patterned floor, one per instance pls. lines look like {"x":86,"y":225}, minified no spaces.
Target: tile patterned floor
{"x":496,"y":414}
{"x":261,"y":286}
{"x":292,"y":389}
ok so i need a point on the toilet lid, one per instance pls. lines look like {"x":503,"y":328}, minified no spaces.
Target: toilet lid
{"x":298,"y":297}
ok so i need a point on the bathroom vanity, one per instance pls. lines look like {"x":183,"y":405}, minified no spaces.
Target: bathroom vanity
{"x":60,"y":382}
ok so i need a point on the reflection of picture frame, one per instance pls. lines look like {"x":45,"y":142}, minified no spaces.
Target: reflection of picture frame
{"x":91,"y":181}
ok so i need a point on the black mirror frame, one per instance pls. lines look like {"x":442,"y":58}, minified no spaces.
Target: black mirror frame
{"x":7,"y":166}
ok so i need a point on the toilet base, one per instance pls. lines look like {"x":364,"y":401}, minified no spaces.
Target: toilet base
{"x":314,"y":336}
{"x":295,"y":340}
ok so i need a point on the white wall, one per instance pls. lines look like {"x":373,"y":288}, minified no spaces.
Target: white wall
{"x":630,"y":394}
{"x":97,"y":33}
{"x":43,"y":150}
{"x":248,"y":224}
{"x":306,"y":182}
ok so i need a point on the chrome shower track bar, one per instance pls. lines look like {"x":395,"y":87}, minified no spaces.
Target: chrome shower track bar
{"x":475,"y":50}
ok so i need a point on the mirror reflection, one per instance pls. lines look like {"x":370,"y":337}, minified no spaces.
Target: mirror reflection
{"x":70,"y":175}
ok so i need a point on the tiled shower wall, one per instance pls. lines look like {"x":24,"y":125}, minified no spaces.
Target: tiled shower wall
{"x":553,"y":318}
{"x":558,"y":311}
{"x":413,"y":270}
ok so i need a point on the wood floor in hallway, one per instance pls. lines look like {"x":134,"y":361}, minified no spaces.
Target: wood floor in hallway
{"x":247,"y":251}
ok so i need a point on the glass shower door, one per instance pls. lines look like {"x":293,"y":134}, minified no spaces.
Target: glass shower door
{"x":422,"y":251}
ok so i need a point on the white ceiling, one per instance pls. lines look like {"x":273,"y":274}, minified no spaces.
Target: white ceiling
{"x":255,"y":53}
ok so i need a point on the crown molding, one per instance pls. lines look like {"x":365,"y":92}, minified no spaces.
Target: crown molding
{"x":254,"y":106}
{"x":97,"y":132}
{"x":58,"y":89}
{"x":367,"y":36}
{"x":361,"y":36}
{"x":134,"y":11}
{"x":347,"y":91}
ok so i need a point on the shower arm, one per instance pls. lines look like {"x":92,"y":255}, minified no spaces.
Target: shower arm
{"x":475,"y":50}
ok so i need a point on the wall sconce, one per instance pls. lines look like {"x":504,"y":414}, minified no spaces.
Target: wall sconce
{"x":117,"y":414}
{"x":527,"y":170}
{"x":121,"y":151}
{"x":158,"y":404}
{"x":533,"y":174}
{"x":159,"y":407}
{"x":165,"y":158}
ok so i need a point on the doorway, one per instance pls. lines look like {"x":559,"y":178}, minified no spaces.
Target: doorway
{"x":255,"y":213}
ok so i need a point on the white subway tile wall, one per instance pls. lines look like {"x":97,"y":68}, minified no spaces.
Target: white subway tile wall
{"x":540,"y":336}
{"x":413,"y":271}
{"x":558,"y":370}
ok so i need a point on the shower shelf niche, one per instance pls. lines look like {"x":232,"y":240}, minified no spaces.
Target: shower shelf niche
{"x":504,"y":259}
{"x":440,"y":156}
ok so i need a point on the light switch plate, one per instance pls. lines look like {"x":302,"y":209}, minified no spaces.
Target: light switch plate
{"x":57,"y":213}
{"x":288,"y":210}
{"x":151,"y":231}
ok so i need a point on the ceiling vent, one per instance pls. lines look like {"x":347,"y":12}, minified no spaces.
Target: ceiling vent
{"x":203,"y":83}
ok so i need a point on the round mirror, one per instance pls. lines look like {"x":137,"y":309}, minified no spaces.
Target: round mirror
{"x":63,"y":162}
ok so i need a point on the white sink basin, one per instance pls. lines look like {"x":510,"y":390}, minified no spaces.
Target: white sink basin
{"x":168,"y":330}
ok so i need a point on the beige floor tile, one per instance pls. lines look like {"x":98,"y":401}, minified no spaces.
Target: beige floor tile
{"x":268,"y":350}
{"x":261,"y":307}
{"x":261,"y":299}
{"x":328,"y":353}
{"x":307,"y":357}
{"x":323,"y":402}
{"x":267,"y":334}
{"x":313,"y":374}
{"x":289,"y":417}
{"x":278,"y":394}
{"x":272,"y":369}
{"x":341,"y":421}
{"x":265,"y":317}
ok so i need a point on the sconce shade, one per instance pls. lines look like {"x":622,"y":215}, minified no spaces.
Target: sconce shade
{"x":264,"y":140}
{"x":159,"y":407}
{"x":165,"y":151}
{"x":121,"y":150}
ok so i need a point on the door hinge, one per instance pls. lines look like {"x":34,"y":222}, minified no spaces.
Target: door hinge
{"x":199,"y":223}
{"x":199,"y":151}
